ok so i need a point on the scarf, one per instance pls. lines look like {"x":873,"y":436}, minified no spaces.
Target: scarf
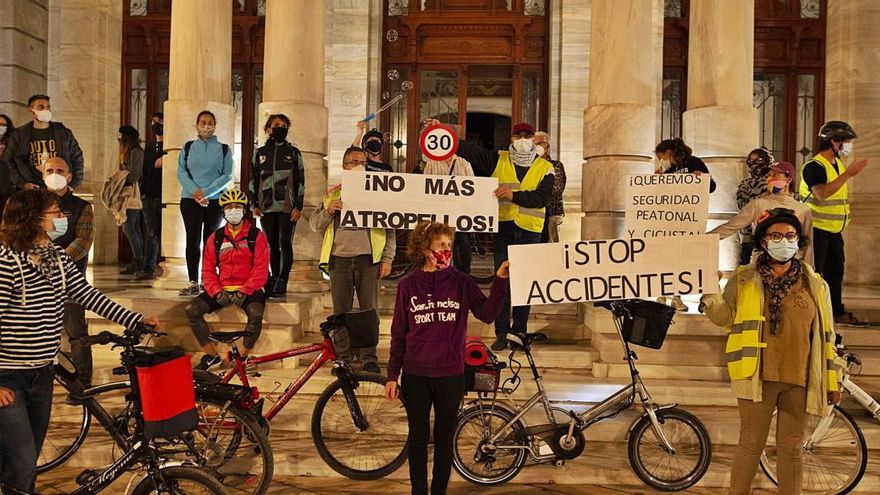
{"x":752,"y":187}
{"x":523,"y":159}
{"x":48,"y":258}
{"x":778,"y":287}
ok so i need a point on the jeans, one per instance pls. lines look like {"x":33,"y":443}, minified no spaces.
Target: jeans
{"x":152,"y":228}
{"x":253,"y":305}
{"x":77,"y":328}
{"x":199,"y":222}
{"x":510,"y":235}
{"x":23,"y":424}
{"x":347,"y":276}
{"x":420,"y":393}
{"x":132,"y":230}
{"x":830,"y":260}
{"x":279,"y":233}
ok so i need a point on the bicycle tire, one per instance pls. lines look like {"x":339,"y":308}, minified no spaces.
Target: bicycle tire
{"x":173,"y":476}
{"x":478,"y":414}
{"x":665,"y":417}
{"x":768,"y":461}
{"x":393,"y":421}
{"x":56,"y":452}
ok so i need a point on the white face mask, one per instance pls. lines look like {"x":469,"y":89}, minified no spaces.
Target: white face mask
{"x":234,"y":215}
{"x":55,"y":182}
{"x":846,"y":149}
{"x":523,"y":145}
{"x":44,"y":116}
{"x":662,"y":165}
{"x":2,"y":130}
{"x":782,"y":250}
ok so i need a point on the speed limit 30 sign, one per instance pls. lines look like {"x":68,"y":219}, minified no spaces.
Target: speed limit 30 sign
{"x":438,"y":142}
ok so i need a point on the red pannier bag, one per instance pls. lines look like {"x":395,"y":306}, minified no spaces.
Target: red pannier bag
{"x":168,"y":398}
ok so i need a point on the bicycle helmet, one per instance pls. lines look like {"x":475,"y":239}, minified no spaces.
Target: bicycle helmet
{"x":233,"y":196}
{"x":836,"y":129}
{"x":779,"y":215}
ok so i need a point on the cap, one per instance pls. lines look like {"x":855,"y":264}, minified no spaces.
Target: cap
{"x":523,"y":128}
{"x":128,"y":130}
{"x":373,"y":133}
{"x":784,"y":168}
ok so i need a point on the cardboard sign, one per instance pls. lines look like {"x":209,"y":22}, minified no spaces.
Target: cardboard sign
{"x":600,"y":270}
{"x":400,"y":201}
{"x":666,"y":205}
{"x":438,"y":142}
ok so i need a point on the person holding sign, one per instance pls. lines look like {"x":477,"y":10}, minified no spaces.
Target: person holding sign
{"x":780,"y":349}
{"x":455,"y":166}
{"x":778,"y":185}
{"x":354,"y":258}
{"x":428,"y":342}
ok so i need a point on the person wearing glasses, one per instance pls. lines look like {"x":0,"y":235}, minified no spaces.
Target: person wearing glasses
{"x":354,"y":258}
{"x":780,"y":349}
{"x":753,"y":186}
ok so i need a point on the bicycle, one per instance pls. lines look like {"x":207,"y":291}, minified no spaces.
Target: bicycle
{"x":228,"y":442}
{"x":161,"y":476}
{"x":668,"y":448}
{"x":355,"y":430}
{"x":835,"y":453}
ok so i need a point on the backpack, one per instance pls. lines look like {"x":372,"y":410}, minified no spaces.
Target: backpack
{"x":186,"y":148}
{"x":220,"y":236}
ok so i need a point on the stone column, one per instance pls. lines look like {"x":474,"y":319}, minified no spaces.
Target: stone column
{"x":199,"y":78}
{"x":293,"y":84}
{"x":621,"y":114}
{"x":852,"y":92}
{"x":24,"y":34}
{"x":721,"y":124}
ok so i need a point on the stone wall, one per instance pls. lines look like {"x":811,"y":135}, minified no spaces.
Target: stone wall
{"x":24,"y":34}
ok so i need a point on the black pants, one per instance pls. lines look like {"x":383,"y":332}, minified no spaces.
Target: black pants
{"x":830,"y":259}
{"x":745,"y":252}
{"x":77,"y":328}
{"x":461,"y":251}
{"x":279,"y":233}
{"x":420,"y":393}
{"x":152,"y":212}
{"x":23,"y":425}
{"x":253,"y":305}
{"x":199,"y":222}
{"x":510,"y":235}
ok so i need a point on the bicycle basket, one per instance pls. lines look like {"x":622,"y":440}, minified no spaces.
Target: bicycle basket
{"x":165,"y":386}
{"x":352,"y":330}
{"x":483,"y":378}
{"x":645,"y":323}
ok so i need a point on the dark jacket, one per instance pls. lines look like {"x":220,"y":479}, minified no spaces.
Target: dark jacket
{"x":277,"y":177}
{"x":692,"y":165}
{"x":17,"y":155}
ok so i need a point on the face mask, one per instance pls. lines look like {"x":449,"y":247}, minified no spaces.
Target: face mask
{"x":234,"y":215}
{"x":2,"y":130}
{"x":158,"y":129}
{"x":523,"y":145}
{"x":846,"y":149}
{"x":776,"y":186}
{"x":205,"y":132}
{"x":441,"y":258}
{"x":279,"y":133}
{"x":60,"y":229}
{"x":663,"y":165}
{"x":783,"y":250}
{"x":374,"y":147}
{"x":43,"y":115}
{"x":55,"y":182}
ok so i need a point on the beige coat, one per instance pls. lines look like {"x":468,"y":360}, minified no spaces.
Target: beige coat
{"x":118,"y":197}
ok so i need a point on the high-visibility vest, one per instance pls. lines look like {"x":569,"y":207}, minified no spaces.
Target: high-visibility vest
{"x":832,"y":213}
{"x":531,"y":219}
{"x":744,"y":339}
{"x":377,"y":237}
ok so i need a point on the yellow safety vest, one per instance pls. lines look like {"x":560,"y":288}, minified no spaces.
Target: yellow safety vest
{"x":377,"y":237}
{"x":830,"y":214}
{"x":531,"y":219}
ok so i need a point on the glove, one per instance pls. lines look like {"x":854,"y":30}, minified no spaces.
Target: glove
{"x":224,"y":298}
{"x":238,"y":298}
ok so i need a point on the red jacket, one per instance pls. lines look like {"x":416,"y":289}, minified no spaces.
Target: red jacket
{"x":238,"y":267}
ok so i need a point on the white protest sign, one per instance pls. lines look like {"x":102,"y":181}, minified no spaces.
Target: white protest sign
{"x":600,"y":270}
{"x":400,"y":201}
{"x":664,"y":205}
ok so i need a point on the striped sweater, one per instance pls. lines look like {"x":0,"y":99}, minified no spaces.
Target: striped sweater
{"x":32,"y":308}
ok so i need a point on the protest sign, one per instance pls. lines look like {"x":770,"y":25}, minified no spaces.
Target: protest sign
{"x":400,"y":201}
{"x":599,"y":270}
{"x":665,"y":205}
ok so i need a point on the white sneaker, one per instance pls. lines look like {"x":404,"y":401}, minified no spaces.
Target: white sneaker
{"x":191,"y":289}
{"x":678,"y":304}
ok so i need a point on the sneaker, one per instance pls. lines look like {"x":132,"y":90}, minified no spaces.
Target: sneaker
{"x":499,"y":345}
{"x":372,"y":368}
{"x":678,"y":304}
{"x":191,"y":289}
{"x":140,"y":276}
{"x":207,"y":362}
{"x":662,"y":300}
{"x":129,"y":270}
{"x":847,"y":319}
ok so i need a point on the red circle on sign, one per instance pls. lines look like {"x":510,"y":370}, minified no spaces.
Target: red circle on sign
{"x":438,"y":142}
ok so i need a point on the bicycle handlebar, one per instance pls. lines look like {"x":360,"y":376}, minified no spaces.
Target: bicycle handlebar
{"x":131,"y":336}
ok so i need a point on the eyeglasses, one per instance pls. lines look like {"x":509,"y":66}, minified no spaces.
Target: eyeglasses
{"x":53,"y":213}
{"x":778,"y":236}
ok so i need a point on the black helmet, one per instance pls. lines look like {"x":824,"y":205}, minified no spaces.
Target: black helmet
{"x":779,"y":215}
{"x":836,"y":129}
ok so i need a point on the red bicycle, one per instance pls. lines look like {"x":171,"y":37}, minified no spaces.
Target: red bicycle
{"x":357,"y":432}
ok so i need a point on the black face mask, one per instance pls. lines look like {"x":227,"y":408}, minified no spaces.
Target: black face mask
{"x":374,"y":147}
{"x":157,"y":128}
{"x":279,"y":133}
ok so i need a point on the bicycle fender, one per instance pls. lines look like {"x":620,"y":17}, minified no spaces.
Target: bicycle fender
{"x":645,"y":414}
{"x":508,"y":405}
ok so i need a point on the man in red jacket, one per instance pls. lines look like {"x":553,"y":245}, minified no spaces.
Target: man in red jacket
{"x":235,"y":266}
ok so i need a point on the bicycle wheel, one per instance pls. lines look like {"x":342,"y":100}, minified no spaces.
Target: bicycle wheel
{"x":664,"y":470}
{"x":834,"y":464}
{"x":232,"y":446}
{"x":67,"y":431}
{"x":482,"y":258}
{"x":360,"y":454}
{"x":180,"y":480}
{"x":482,"y":466}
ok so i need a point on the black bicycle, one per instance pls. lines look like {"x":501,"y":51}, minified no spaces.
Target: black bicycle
{"x":228,"y":443}
{"x":139,"y":452}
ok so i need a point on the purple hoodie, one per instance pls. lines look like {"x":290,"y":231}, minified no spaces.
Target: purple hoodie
{"x":430,"y":321}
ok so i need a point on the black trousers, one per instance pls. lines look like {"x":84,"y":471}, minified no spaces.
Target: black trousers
{"x":420,"y":393}
{"x":830,"y":259}
{"x":199,"y":222}
{"x":279,"y":233}
{"x":461,"y":251}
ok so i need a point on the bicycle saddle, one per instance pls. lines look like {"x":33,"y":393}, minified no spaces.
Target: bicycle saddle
{"x":525,"y":340}
{"x":227,"y":337}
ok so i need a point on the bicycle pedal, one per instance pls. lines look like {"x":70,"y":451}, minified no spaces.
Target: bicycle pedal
{"x":86,"y":476}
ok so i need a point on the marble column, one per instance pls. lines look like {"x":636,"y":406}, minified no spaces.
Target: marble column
{"x":721,"y":124}
{"x":620,"y":119}
{"x":24,"y":34}
{"x":293,"y":84}
{"x":199,"y":78}
{"x":852,"y":94}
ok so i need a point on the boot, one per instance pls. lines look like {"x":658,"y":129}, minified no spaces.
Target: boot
{"x":270,"y":284}
{"x":279,"y":288}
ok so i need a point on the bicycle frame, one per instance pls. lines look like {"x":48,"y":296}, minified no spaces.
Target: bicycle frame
{"x":857,"y":393}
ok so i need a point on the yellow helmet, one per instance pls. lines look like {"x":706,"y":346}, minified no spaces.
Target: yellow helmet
{"x":233,"y":196}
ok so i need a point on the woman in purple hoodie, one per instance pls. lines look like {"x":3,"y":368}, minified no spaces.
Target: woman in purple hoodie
{"x":427,"y":340}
